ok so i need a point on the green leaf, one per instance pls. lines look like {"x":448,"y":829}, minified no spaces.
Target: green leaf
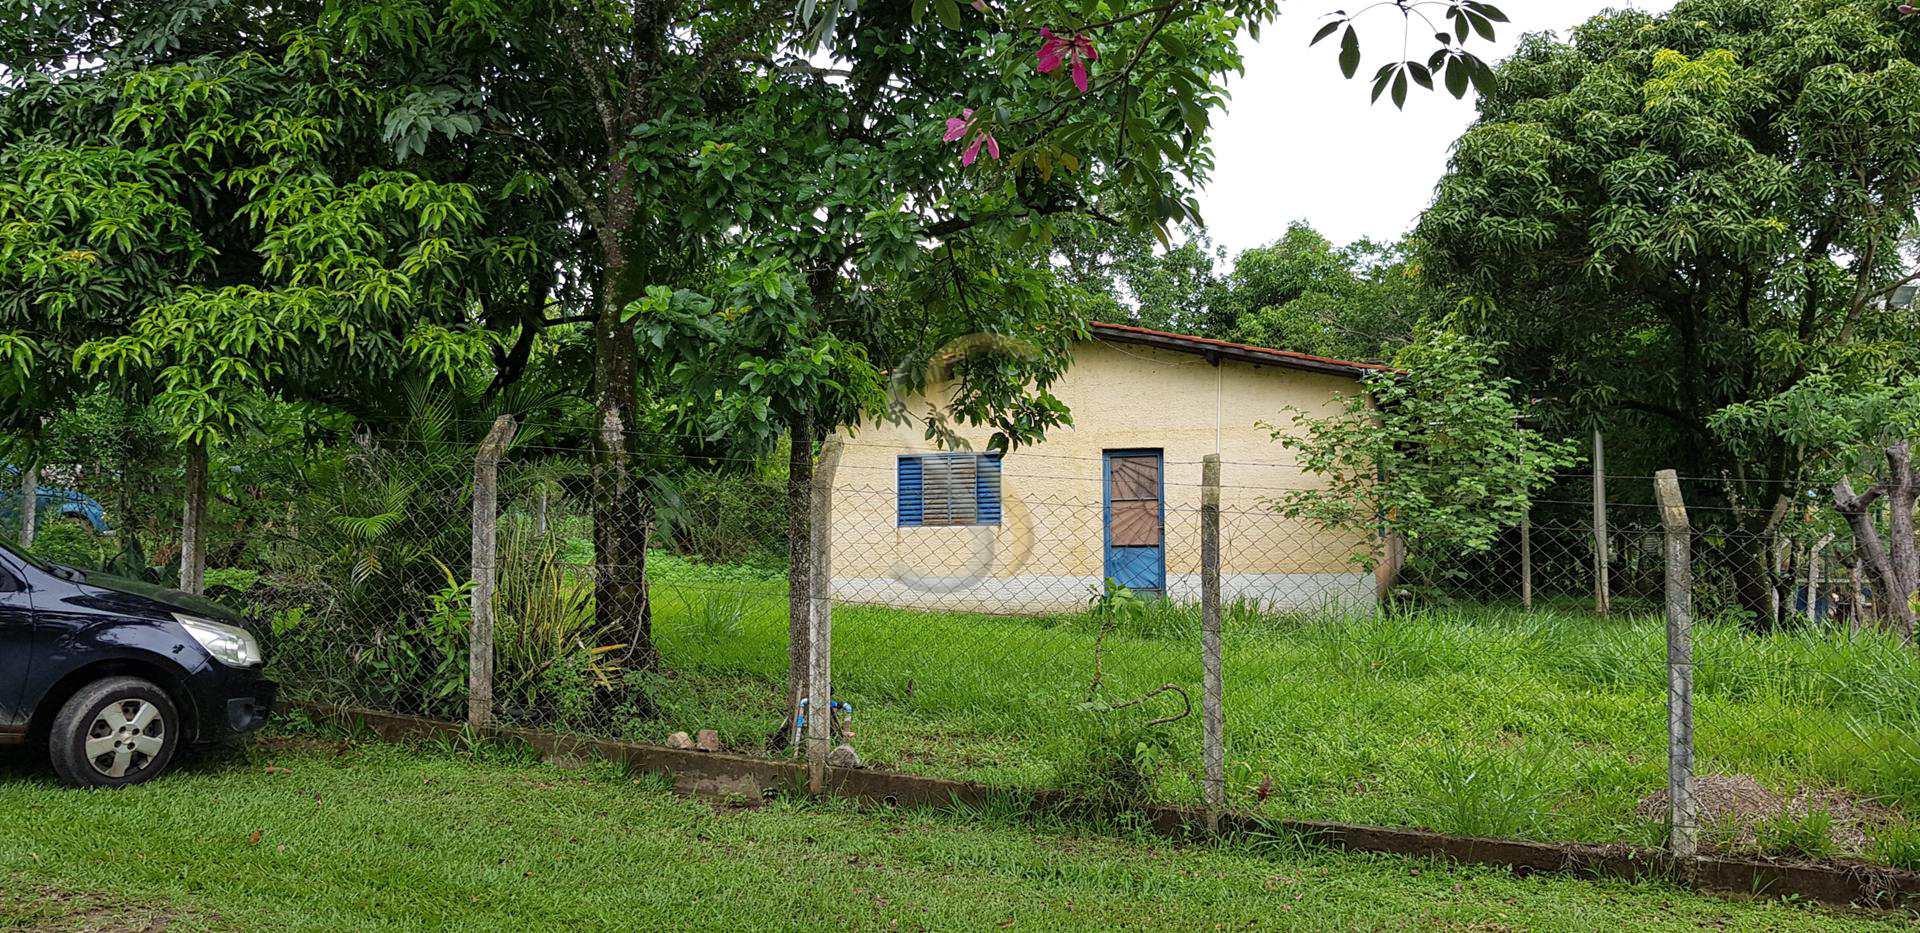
{"x":1482,"y":74}
{"x":1486,"y":9}
{"x":1349,"y":52}
{"x":1456,"y":77}
{"x":1481,"y":26}
{"x":1324,"y":32}
{"x":949,"y":12}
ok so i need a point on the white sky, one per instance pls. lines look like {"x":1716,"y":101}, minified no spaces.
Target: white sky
{"x":1300,"y":141}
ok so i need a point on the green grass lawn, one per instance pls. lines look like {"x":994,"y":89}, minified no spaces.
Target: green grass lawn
{"x":1549,"y":725}
{"x":307,"y":831}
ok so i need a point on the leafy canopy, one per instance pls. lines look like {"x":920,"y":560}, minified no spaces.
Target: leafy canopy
{"x":1435,"y":452}
{"x":1666,"y":216}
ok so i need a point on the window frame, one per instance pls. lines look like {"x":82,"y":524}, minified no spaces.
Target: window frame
{"x":987,"y":502}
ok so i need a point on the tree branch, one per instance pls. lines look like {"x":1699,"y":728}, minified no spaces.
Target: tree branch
{"x":561,"y":174}
{"x":720,"y":50}
{"x":573,"y":33}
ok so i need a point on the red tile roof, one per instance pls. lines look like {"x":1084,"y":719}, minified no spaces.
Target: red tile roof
{"x":1225,"y":349}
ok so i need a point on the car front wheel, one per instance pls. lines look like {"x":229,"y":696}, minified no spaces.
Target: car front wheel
{"x":114,"y":732}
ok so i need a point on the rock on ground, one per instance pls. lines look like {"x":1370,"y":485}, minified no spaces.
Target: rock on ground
{"x":843,"y":756}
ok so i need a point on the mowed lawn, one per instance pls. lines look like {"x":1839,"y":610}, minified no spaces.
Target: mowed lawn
{"x":1545,"y":725}
{"x":312,"y":831}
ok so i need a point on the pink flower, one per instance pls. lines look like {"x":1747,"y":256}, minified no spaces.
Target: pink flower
{"x":1076,"y":50}
{"x":958,"y":127}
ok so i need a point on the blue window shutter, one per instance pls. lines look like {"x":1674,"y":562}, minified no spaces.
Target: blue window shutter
{"x":986,"y":489}
{"x":909,"y":481}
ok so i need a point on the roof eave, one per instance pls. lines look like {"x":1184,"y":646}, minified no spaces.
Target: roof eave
{"x":1219,"y":350}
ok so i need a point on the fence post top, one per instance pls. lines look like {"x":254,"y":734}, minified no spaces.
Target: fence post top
{"x":497,"y":439}
{"x":1673,"y":509}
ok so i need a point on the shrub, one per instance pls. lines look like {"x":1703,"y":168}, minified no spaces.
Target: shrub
{"x":234,"y":581}
{"x":548,"y":663}
{"x":731,"y":518}
{"x":1112,"y":758}
{"x":65,"y":541}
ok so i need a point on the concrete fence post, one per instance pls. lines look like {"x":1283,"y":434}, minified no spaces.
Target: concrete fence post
{"x":1683,"y":840}
{"x":1213,"y":688}
{"x":1526,"y":558}
{"x":820,"y":616}
{"x":1602,"y":583}
{"x":486,"y":507}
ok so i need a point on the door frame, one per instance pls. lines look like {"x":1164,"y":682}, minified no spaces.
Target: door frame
{"x":1159,"y":455}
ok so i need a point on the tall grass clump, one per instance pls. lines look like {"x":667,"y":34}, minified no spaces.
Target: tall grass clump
{"x":1489,"y":795}
{"x":1896,"y":844}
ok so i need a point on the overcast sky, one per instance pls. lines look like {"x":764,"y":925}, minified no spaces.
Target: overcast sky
{"x":1300,"y":141}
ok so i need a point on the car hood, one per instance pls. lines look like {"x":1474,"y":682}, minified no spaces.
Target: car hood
{"x":168,"y":599}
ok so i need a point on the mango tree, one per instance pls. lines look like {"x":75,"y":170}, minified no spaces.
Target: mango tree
{"x":1667,"y":215}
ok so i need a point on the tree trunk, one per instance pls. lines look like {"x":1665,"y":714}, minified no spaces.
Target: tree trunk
{"x":621,"y":514}
{"x":193,"y":520}
{"x":620,"y":81}
{"x":800,"y":578}
{"x":1856,"y":597}
{"x":1895,"y":566}
{"x":1904,"y":550}
{"x":29,"y":504}
{"x":1755,"y":586}
{"x":1779,"y":566}
{"x":1815,"y":581}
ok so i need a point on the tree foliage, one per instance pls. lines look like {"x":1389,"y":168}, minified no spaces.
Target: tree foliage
{"x":1361,"y":301}
{"x":719,"y":223}
{"x":1665,"y":216}
{"x":1434,"y":451}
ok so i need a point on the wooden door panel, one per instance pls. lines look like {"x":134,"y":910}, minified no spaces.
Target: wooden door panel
{"x":1136,"y":478}
{"x":1136,"y":524}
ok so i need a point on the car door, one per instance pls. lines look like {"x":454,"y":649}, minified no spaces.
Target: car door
{"x":16,"y":653}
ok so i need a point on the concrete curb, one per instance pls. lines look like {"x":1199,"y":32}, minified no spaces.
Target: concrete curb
{"x":721,"y":774}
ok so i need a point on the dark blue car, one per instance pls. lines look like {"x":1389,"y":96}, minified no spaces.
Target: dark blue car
{"x":112,"y":677}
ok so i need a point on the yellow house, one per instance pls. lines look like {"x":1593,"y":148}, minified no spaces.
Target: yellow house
{"x":1116,"y":496}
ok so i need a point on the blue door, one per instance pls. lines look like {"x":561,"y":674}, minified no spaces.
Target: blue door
{"x":1134,"y":520}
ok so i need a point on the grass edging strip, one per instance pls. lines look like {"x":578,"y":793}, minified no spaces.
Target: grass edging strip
{"x":722,"y":774}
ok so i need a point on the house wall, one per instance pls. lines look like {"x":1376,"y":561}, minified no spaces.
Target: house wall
{"x":1047,"y":554}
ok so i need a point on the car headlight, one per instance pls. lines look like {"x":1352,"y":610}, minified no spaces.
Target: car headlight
{"x":229,"y":644}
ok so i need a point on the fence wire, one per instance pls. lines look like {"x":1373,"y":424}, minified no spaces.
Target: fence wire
{"x":1480,"y":693}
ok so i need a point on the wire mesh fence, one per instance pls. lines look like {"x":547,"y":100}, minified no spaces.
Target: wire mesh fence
{"x":1059,"y":644}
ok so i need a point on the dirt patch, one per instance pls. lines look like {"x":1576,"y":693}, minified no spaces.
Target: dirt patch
{"x":41,"y":907}
{"x":1734,"y":807}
